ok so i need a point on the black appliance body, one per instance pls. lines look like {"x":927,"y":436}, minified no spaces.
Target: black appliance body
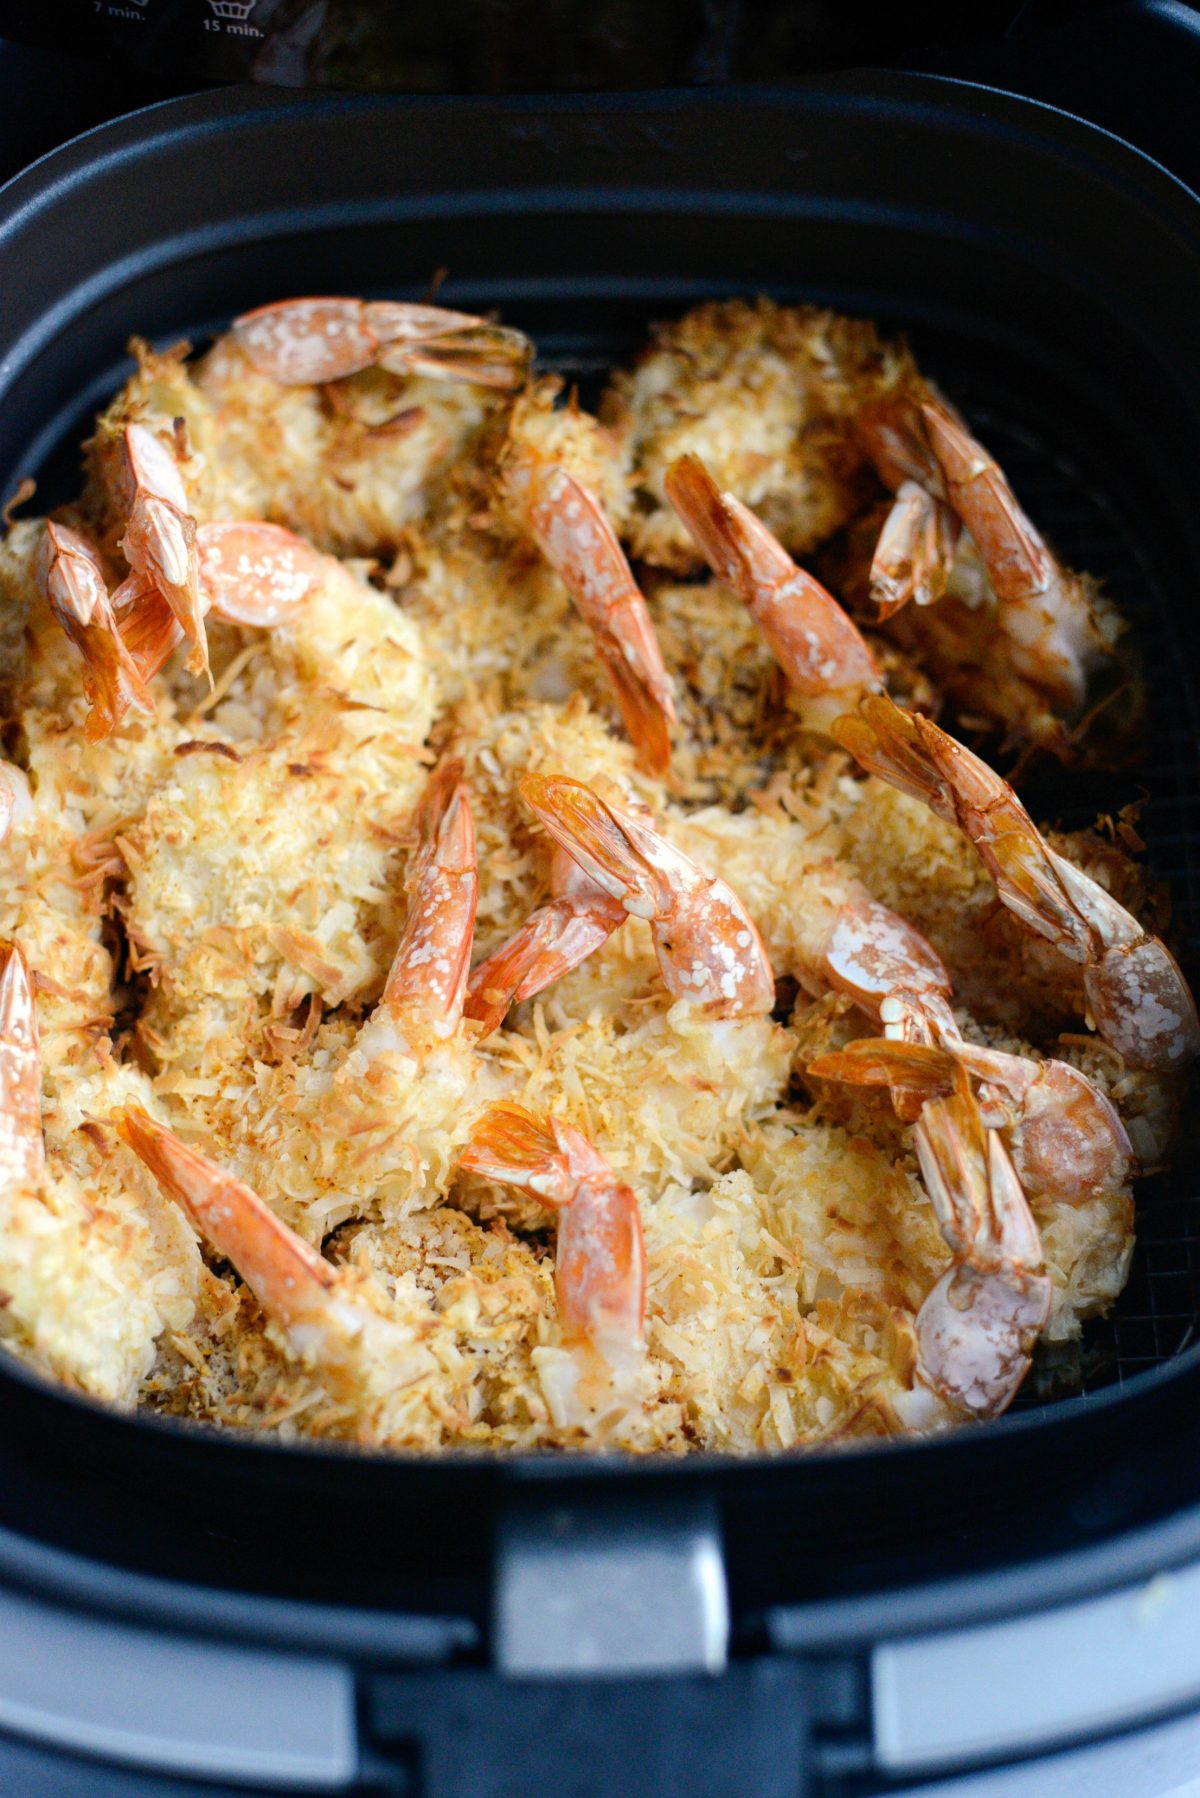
{"x":178,"y":1608}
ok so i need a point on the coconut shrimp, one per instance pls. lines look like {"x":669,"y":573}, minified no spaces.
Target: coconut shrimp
{"x":605,"y":1043}
{"x":1054,"y":634}
{"x":370,"y":1122}
{"x":660,"y":1063}
{"x":1138,"y":997}
{"x":1068,"y":1145}
{"x":354,"y":457}
{"x":1014,"y":635}
{"x":579,"y":916}
{"x":709,"y":950}
{"x":351,"y":459}
{"x":781,"y":1296}
{"x":67,"y":806}
{"x":802,"y":1298}
{"x":311,"y":756}
{"x":498,"y":746}
{"x":975,"y":1327}
{"x":386,"y":1364}
{"x":600,"y":1257}
{"x":251,"y":574}
{"x":92,"y":1276}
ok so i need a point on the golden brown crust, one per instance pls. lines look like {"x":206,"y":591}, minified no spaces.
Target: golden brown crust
{"x":209,"y":899}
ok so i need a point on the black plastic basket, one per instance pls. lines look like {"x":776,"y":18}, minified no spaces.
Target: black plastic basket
{"x":1050,"y":276}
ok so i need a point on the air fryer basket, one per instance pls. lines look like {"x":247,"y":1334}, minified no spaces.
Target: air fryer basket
{"x":1046,"y":274}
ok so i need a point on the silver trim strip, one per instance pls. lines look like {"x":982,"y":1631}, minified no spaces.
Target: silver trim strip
{"x":162,"y":1701}
{"x":1091,"y":1668}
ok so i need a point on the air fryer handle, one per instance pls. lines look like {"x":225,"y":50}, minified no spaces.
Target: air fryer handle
{"x":612,"y":1671}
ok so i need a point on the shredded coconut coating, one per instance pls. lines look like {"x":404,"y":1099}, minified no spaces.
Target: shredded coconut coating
{"x":756,"y":391}
{"x":209,"y":900}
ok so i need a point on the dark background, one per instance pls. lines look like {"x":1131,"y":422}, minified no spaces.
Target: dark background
{"x":68,"y":64}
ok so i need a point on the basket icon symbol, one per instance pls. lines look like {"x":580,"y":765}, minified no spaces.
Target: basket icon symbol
{"x":232,"y":9}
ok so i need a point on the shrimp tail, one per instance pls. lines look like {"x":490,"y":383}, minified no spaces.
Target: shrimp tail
{"x":313,"y":341}
{"x":290,"y":1280}
{"x":877,"y":1061}
{"x":1045,"y":613}
{"x":69,"y":574}
{"x":708,"y":947}
{"x":915,"y":551}
{"x":570,"y":527}
{"x":819,"y":649}
{"x":600,"y":1263}
{"x":513,"y":1146}
{"x":977,"y":1327}
{"x":429,"y":971}
{"x":160,"y":535}
{"x":1139,"y":998}
{"x":554,"y":939}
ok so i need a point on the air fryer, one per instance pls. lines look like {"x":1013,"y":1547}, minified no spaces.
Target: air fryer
{"x":186,"y":1608}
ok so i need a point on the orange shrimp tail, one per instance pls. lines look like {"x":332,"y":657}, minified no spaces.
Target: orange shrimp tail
{"x":482,"y":354}
{"x":441,"y":792}
{"x":600,"y":1268}
{"x":600,"y":1261}
{"x":1017,"y":559}
{"x":876,"y":1061}
{"x":981,"y":1207}
{"x":814,"y":641}
{"x":514,"y":1146}
{"x":889,"y":429}
{"x":160,"y":535}
{"x":112,"y":682}
{"x":433,"y":959}
{"x":289,"y":1279}
{"x":553,"y":940}
{"x":148,"y":628}
{"x":592,"y":834}
{"x":646,"y":708}
{"x":71,"y":577}
{"x":580,"y":544}
{"x":887,"y":741}
{"x":915,"y":552}
{"x":312,"y":341}
{"x":700,"y":503}
{"x":493,"y":985}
